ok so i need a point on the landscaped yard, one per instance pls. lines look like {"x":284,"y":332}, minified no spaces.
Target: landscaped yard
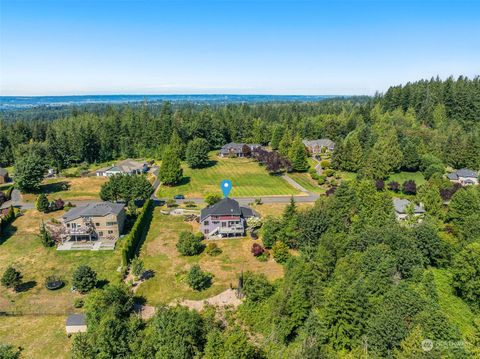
{"x":24,"y":251}
{"x":160,"y":254}
{"x":248,"y":177}
{"x":70,"y":189}
{"x":401,"y":177}
{"x":276,"y":209}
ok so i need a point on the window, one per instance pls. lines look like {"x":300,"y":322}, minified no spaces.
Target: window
{"x":111,"y":223}
{"x":68,"y":225}
{"x":205,"y":223}
{"x":206,"y":231}
{"x":100,"y":234}
{"x":110,"y":232}
{"x":97,"y":224}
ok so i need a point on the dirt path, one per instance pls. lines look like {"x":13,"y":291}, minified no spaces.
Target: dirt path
{"x":294,"y":184}
{"x":224,"y":299}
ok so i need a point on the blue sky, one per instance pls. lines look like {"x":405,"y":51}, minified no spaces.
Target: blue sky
{"x":277,"y":47}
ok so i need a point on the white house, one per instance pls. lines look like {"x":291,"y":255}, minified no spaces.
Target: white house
{"x":127,"y":166}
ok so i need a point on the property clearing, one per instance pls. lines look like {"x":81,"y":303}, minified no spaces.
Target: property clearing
{"x":159,"y":253}
{"x":249,"y":179}
{"x":70,"y":189}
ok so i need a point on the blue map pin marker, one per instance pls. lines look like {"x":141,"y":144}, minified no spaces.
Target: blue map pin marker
{"x":226,"y":187}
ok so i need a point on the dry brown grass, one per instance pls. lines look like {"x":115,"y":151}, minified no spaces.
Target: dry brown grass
{"x":79,"y":189}
{"x":276,"y":209}
{"x":38,"y":336}
{"x":160,"y":254}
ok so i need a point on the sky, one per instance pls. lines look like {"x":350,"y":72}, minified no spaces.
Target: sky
{"x":73,"y":47}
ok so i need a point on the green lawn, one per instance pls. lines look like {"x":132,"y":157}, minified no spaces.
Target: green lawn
{"x":305,"y":180}
{"x":248,"y":177}
{"x":405,"y":176}
{"x":160,"y":254}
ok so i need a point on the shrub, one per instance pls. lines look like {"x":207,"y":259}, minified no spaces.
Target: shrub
{"x":45,"y":237}
{"x":333,"y":182}
{"x":11,"y":278}
{"x":189,"y":244}
{"x":280,"y":252}
{"x":257,"y":249}
{"x":409,"y":187}
{"x":84,"y":279}
{"x":256,"y":287}
{"x":315,"y":176}
{"x":258,"y":201}
{"x":330,"y":191}
{"x":212,"y":198}
{"x":312,"y":171}
{"x":42,"y":204}
{"x":213,"y":249}
{"x":171,"y":203}
{"x":189,"y":204}
{"x":78,"y":303}
{"x":379,"y":185}
{"x":325,"y":164}
{"x":197,"y":279}
{"x":322,"y":179}
{"x":137,"y":267}
{"x":264,"y":256}
{"x":394,"y":186}
{"x":7,"y":217}
{"x":329,"y":172}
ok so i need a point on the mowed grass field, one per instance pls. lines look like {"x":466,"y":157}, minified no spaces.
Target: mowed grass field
{"x":305,"y":180}
{"x":160,"y":254}
{"x":248,"y":177}
{"x":70,"y":189}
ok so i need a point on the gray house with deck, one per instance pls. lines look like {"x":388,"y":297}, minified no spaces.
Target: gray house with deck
{"x":233,"y":149}
{"x":225,"y":219}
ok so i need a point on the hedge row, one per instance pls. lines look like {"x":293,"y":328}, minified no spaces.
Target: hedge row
{"x":139,"y":230}
{"x":7,"y":219}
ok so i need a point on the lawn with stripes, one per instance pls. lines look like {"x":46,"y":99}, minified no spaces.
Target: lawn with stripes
{"x":249,"y":179}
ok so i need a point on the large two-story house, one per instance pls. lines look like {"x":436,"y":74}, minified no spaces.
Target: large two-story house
{"x":401,"y":205}
{"x":126,"y":167}
{"x":316,"y":147}
{"x":225,"y":219}
{"x":95,"y":221}
{"x":233,"y":149}
{"x":464,"y":176}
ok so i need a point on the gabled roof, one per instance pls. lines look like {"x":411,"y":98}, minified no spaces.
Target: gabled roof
{"x":465,"y":172}
{"x":401,"y":205}
{"x":3,"y":172}
{"x":323,"y":142}
{"x":74,"y":320}
{"x":94,"y":210}
{"x":238,"y":146}
{"x":130,"y":165}
{"x":227,"y":207}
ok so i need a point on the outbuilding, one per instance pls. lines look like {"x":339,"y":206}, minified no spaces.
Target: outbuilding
{"x":76,"y":323}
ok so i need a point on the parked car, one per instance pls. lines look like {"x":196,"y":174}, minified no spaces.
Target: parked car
{"x":179,"y":196}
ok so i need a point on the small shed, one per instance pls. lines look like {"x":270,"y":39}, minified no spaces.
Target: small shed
{"x":76,"y":323}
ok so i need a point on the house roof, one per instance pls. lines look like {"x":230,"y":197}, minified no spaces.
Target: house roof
{"x":323,"y":142}
{"x":401,"y":205}
{"x":465,"y":172}
{"x":94,"y":210}
{"x":238,"y":146}
{"x":3,"y":172}
{"x":130,"y":165}
{"x":227,"y":206}
{"x":76,"y":320}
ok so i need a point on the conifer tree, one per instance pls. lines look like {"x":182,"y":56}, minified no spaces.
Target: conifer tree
{"x":170,"y":171}
{"x":298,"y":155}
